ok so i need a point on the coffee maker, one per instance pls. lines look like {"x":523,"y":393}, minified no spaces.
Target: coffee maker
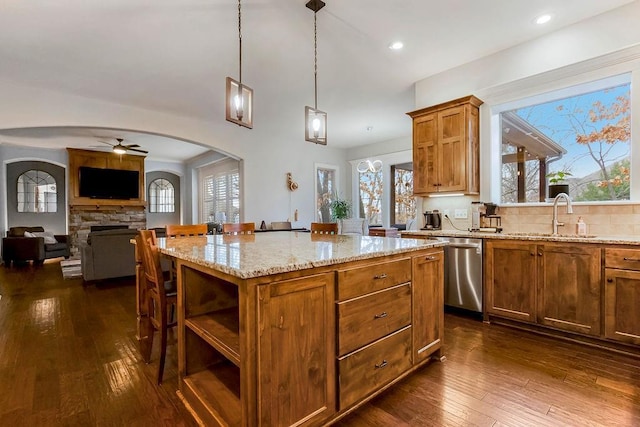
{"x":432,"y":220}
{"x":484,"y":218}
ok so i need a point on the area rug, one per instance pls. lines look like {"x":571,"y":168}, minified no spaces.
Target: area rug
{"x":71,"y":268}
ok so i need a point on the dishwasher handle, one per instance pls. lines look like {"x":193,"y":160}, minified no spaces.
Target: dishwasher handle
{"x":464,"y":245}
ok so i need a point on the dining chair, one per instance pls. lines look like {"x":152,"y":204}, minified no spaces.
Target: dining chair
{"x":239,"y":228}
{"x":354,"y":226}
{"x":324,"y":228}
{"x":179,"y":230}
{"x":161,"y":296}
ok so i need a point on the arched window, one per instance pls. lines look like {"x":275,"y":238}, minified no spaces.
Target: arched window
{"x":161,"y":196}
{"x":37,"y":192}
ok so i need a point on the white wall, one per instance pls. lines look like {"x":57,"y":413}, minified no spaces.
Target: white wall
{"x":266,"y":157}
{"x":605,"y":45}
{"x":600,"y":35}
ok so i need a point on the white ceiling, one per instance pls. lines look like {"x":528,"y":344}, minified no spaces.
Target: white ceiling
{"x":174,"y":55}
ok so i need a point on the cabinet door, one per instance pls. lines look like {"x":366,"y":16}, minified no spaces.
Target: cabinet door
{"x":569,"y":282}
{"x":622,"y":299}
{"x":510,"y":280}
{"x":425,"y":180}
{"x":296,"y":354}
{"x":427,"y":286}
{"x":452,"y":149}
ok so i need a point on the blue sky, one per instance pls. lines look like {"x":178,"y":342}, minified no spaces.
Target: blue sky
{"x":561,"y":127}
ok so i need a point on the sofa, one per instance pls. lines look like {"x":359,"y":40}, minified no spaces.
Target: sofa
{"x":24,"y":244}
{"x":108,"y":254}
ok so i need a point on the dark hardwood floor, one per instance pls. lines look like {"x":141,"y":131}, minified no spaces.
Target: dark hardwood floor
{"x":69,"y":357}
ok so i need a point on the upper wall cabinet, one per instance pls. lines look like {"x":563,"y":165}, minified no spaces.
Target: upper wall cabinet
{"x":446,"y":154}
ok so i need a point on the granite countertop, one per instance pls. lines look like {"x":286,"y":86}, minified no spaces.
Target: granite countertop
{"x":262,"y":254}
{"x":613,"y":240}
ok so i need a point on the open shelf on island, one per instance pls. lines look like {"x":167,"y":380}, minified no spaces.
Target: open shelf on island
{"x":221,"y":330}
{"x":218,"y":389}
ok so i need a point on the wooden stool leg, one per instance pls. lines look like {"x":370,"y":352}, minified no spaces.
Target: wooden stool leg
{"x":163,"y":345}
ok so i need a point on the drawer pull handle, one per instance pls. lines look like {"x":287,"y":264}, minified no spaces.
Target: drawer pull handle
{"x":609,"y":280}
{"x":380,"y":276}
{"x":631,"y":259}
{"x":381,"y":365}
{"x":430,"y":258}
{"x":381,"y":315}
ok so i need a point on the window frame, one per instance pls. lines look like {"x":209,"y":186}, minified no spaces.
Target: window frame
{"x":155,"y":205}
{"x":49,"y":177}
{"x":226,"y":167}
{"x":535,"y":90}
{"x":336,"y":185}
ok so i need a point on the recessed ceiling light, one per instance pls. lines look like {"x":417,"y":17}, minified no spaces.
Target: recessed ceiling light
{"x":543,"y":19}
{"x":396,"y":45}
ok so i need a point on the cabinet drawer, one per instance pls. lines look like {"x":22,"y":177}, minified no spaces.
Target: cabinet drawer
{"x":363,"y":280}
{"x":624,"y":259}
{"x":365,"y":319}
{"x":366,"y":370}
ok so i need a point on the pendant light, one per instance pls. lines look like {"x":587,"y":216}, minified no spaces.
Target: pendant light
{"x":239,"y":97}
{"x":315,"y":121}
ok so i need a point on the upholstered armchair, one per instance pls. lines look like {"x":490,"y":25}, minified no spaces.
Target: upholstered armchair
{"x":24,"y":244}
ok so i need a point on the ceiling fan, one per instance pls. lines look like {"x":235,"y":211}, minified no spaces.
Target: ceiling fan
{"x":119,"y":148}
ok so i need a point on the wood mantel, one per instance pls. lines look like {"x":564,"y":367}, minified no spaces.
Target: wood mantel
{"x":105,"y":160}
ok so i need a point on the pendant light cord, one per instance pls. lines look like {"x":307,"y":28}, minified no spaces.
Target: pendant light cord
{"x":315,"y":59}
{"x":240,"y":41}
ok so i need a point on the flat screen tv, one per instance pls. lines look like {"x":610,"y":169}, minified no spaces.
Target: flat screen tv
{"x":108,"y":183}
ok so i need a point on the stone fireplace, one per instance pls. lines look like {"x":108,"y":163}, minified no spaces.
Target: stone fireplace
{"x":81,"y":219}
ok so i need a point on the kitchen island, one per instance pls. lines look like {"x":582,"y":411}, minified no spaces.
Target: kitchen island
{"x":280,"y":329}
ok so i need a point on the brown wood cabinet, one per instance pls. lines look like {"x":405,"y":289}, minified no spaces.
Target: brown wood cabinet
{"x":428,"y":300}
{"x":301,"y":348}
{"x":552,"y":284}
{"x":446,"y":155}
{"x":296,"y":351}
{"x":103,"y":160}
{"x":622,"y":295}
{"x":510,"y":279}
{"x":569,"y":281}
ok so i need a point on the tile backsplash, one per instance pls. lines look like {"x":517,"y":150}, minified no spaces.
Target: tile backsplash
{"x":602,"y":220}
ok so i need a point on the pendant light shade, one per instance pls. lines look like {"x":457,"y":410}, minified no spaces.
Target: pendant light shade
{"x":239,"y":103}
{"x":315,"y":121}
{"x":239,"y":97}
{"x":315,"y":126}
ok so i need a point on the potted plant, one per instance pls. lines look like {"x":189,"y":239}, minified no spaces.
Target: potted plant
{"x":340,"y":209}
{"x":556,"y":183}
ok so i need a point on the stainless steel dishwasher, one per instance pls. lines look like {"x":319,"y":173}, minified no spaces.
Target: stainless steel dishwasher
{"x":463,"y":273}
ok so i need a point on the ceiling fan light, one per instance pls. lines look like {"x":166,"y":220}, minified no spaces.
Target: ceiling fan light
{"x":119,"y":149}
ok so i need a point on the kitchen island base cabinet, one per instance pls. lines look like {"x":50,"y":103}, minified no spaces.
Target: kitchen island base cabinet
{"x":296,"y":352}
{"x":263,"y":350}
{"x":428,"y":302}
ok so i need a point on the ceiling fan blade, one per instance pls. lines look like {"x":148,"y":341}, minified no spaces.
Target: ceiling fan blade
{"x":132,"y":146}
{"x":105,"y":142}
{"x":139,"y":151}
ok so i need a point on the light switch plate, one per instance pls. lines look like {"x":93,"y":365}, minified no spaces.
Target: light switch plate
{"x":460,"y":214}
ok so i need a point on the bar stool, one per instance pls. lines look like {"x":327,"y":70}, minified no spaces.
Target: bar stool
{"x":161,"y":296}
{"x":324,"y":228}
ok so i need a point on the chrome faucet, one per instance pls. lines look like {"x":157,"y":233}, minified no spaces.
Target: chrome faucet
{"x":555,"y":224}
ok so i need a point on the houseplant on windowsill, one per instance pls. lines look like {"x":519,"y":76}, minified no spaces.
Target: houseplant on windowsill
{"x":556,"y":183}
